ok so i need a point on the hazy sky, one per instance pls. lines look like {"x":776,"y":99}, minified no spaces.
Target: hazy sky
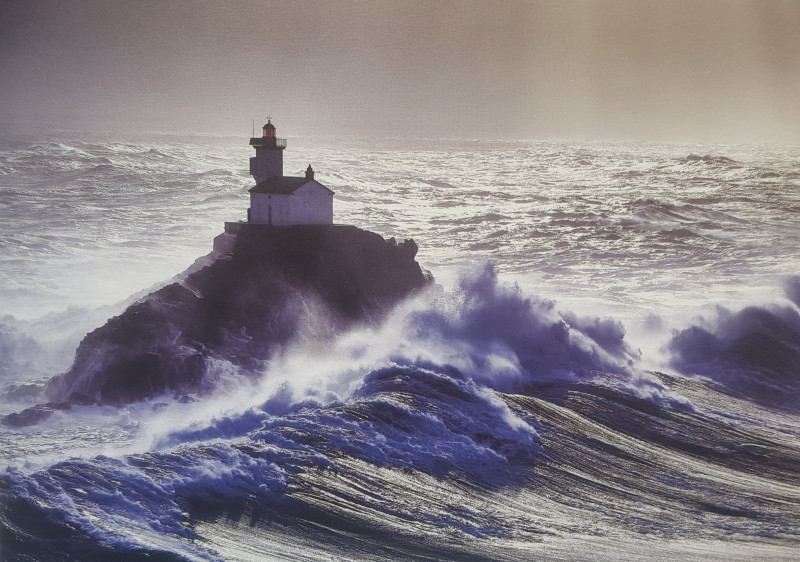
{"x":723,"y":70}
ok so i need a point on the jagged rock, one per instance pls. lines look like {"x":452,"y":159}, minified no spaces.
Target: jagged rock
{"x":273,"y":284}
{"x":33,"y":415}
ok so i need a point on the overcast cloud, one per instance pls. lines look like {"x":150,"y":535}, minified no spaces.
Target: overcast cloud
{"x":695,"y":70}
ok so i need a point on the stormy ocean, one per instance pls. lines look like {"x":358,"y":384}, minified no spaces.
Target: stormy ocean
{"x":608,"y":369}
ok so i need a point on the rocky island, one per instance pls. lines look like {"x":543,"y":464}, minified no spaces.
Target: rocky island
{"x":273,"y":284}
{"x":288,"y":274}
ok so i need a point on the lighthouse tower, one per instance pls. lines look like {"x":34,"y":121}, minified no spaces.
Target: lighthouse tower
{"x":268,"y":161}
{"x":279,"y":200}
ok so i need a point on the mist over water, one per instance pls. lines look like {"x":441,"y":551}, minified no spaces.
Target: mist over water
{"x":616,"y":323}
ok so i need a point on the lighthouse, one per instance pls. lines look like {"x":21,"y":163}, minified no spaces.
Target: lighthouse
{"x":268,"y":160}
{"x":280,"y":200}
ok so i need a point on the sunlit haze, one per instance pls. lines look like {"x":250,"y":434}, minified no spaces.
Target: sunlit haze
{"x":705,"y":71}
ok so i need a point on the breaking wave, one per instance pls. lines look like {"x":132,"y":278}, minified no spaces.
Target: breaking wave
{"x":430,"y":392}
{"x":754,"y":352}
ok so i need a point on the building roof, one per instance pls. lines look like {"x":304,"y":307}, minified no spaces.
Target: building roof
{"x":283,"y":185}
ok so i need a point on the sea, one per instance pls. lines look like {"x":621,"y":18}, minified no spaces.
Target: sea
{"x":608,"y":367}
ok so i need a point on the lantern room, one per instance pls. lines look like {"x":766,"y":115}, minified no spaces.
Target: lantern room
{"x":269,"y":130}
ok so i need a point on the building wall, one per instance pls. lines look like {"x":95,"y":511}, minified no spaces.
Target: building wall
{"x":311,"y":204}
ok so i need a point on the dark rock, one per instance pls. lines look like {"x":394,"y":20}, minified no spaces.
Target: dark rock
{"x":275,"y":284}
{"x":35,"y":414}
{"x":80,"y":399}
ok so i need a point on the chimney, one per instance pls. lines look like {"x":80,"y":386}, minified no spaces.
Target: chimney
{"x":309,"y":173}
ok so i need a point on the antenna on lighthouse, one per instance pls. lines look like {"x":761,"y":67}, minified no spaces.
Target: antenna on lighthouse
{"x":254,"y":127}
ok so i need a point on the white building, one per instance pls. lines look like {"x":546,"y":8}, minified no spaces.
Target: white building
{"x":284,"y":200}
